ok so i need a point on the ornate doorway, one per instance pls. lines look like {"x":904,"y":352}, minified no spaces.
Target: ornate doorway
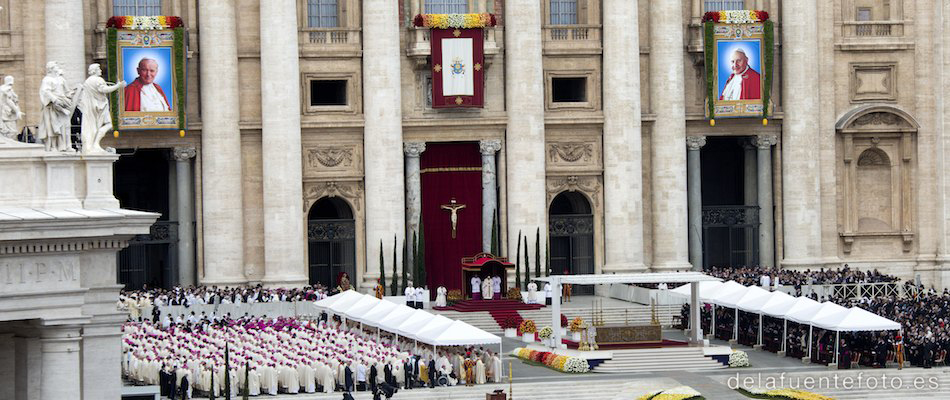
{"x":141,"y":183}
{"x":331,"y":234}
{"x":571,"y":237}
{"x":730,"y":213}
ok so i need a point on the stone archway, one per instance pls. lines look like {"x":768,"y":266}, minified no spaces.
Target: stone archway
{"x":571,"y":236}
{"x":331,"y":240}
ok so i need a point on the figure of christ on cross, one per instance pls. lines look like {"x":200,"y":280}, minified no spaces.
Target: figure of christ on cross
{"x":453,"y":207}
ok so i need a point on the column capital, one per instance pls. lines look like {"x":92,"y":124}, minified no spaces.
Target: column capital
{"x":184,"y":153}
{"x":414,"y":149}
{"x":489,"y":147}
{"x":765,"y":142}
{"x":694,"y":143}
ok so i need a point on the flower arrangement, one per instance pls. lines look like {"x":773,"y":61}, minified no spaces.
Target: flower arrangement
{"x":460,"y":21}
{"x":514,"y":294}
{"x":453,"y":296}
{"x":677,"y":393}
{"x":793,"y":394}
{"x":552,"y":360}
{"x":546,"y":332}
{"x":736,"y":16}
{"x":510,"y":323}
{"x":738,"y":359}
{"x":527,"y":326}
{"x":144,"y":23}
{"x":577,"y":325}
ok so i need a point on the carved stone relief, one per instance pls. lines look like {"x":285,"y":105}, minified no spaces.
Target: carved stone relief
{"x":349,"y":190}
{"x":878,"y":119}
{"x":570,"y":152}
{"x":332,"y":161}
{"x":573,"y":183}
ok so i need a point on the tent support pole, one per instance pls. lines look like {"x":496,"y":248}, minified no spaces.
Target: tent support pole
{"x":759,"y":342}
{"x":837,"y":340}
{"x":810,"y":329}
{"x":784,"y":334}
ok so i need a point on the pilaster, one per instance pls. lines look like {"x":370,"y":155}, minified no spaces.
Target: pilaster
{"x":694,"y":181}
{"x":488,"y":148}
{"x":184,"y":181}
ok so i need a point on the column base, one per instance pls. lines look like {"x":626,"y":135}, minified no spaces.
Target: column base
{"x":780,"y":353}
{"x":802,"y":263}
{"x":806,"y":360}
{"x":672,"y":266}
{"x":222,"y":282}
{"x":285,"y":282}
{"x":624,"y":268}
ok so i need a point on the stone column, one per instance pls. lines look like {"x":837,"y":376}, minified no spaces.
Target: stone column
{"x":749,"y":194}
{"x":413,"y":151}
{"x":764,"y":145}
{"x":382,"y":131}
{"x":695,"y":182}
{"x":524,"y":147}
{"x":800,"y":185}
{"x":489,"y":189}
{"x":670,"y":232}
{"x":185,"y":190}
{"x":284,"y":237}
{"x":102,"y":359}
{"x":623,"y":186}
{"x":8,"y":368}
{"x":221,"y":177}
{"x":65,"y":38}
{"x":60,"y":358}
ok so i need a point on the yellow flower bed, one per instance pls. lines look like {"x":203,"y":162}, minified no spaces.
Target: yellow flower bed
{"x":796,"y":394}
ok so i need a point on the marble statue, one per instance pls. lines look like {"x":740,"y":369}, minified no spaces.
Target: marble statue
{"x":9,"y":109}
{"x":94,"y":104}
{"x":58,"y":107}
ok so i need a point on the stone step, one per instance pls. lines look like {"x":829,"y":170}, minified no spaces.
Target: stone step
{"x":530,"y":391}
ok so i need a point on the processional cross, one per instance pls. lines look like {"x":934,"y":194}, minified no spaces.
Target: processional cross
{"x":453,"y":207}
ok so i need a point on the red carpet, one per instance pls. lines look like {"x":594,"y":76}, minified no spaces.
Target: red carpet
{"x":490,"y":305}
{"x":653,"y":345}
{"x":500,"y":310}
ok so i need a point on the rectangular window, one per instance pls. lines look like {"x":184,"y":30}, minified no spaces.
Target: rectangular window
{"x":322,"y":14}
{"x":446,"y":6}
{"x":328,"y":92}
{"x":722,"y":5}
{"x":863,"y":14}
{"x":569,"y":90}
{"x":136,"y":7}
{"x":563,"y":12}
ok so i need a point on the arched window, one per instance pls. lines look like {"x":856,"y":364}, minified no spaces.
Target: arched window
{"x":136,"y":7}
{"x":322,"y":14}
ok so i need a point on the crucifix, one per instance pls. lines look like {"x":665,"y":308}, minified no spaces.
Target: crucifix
{"x":453,"y":207}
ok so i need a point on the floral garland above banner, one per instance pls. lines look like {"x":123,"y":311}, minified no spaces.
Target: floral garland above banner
{"x":144,"y":23}
{"x":736,"y":16}
{"x":734,"y":32}
{"x":161,"y":38}
{"x":458,"y":21}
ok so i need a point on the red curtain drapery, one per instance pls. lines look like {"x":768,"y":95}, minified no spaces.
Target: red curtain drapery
{"x":450,"y":170}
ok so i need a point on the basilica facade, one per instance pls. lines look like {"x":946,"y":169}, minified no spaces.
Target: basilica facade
{"x":313,"y":148}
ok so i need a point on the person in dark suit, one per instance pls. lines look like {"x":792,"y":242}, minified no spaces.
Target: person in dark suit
{"x":388,"y":375}
{"x":372,"y":378}
{"x":431,"y":368}
{"x":348,"y":379}
{"x":183,"y":389}
{"x":163,"y":380}
{"x":407,"y":372}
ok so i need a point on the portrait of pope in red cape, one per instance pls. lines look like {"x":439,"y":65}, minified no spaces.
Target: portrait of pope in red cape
{"x":738,"y":77}
{"x":146,"y":92}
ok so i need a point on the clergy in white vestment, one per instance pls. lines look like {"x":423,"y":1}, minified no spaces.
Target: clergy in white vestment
{"x":410,"y":295}
{"x":548,"y":293}
{"x":476,"y":287}
{"x":440,"y":296}
{"x":496,"y":287}
{"x":496,"y":366}
{"x":479,"y":372}
{"x":532,"y":293}
{"x":487,"y":289}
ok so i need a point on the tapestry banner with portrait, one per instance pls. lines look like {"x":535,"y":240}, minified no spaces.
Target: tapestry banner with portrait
{"x":739,"y":56}
{"x":458,"y":57}
{"x":148,"y":53}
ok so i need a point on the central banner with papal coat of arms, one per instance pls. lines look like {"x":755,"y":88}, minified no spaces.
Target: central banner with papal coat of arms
{"x":458,"y":57}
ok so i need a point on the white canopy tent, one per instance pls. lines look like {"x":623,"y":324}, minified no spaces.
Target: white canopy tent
{"x":361,"y":307}
{"x":460,"y":333}
{"x":856,"y":320}
{"x":725,"y":293}
{"x":415,"y":323}
{"x":752,"y":301}
{"x":348,"y":296}
{"x":395,"y":318}
{"x":706,"y":290}
{"x":777,"y":305}
{"x":432,"y":329}
{"x":341,"y":306}
{"x":378,"y":312}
